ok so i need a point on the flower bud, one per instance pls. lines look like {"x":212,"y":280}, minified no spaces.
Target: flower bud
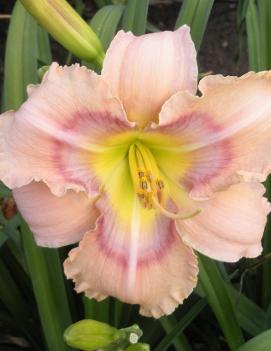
{"x":90,"y":335}
{"x":67,"y":27}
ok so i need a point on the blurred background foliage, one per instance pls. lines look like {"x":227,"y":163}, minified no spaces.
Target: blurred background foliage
{"x":231,"y":307}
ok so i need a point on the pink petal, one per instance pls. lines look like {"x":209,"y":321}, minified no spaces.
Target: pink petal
{"x":230,"y":225}
{"x":145,"y":71}
{"x":55,"y":221}
{"x":51,"y":137}
{"x":138,"y":263}
{"x":225,"y":134}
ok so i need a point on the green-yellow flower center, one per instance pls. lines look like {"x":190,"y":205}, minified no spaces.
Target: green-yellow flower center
{"x":140,"y":166}
{"x":151,"y":189}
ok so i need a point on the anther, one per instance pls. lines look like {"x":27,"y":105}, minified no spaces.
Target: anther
{"x":141,"y":196}
{"x":144,"y":183}
{"x":160,"y":184}
{"x":141,"y":174}
{"x":149,"y":176}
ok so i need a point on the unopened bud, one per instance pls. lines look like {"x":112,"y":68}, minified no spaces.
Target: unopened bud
{"x":90,"y":335}
{"x":67,"y":27}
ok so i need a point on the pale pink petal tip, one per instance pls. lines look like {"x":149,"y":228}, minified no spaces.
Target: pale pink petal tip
{"x":231,"y":224}
{"x":145,"y":71}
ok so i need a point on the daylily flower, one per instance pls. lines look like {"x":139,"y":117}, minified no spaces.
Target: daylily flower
{"x":140,"y":169}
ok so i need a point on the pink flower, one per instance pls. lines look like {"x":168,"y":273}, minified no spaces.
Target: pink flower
{"x":125,"y":161}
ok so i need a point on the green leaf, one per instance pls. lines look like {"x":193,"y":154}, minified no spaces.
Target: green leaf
{"x":266,"y":269}
{"x":48,"y":284}
{"x":267,"y":322}
{"x":13,"y":300}
{"x":101,"y":3}
{"x":181,"y":325}
{"x":3,"y":238}
{"x":44,"y":51}
{"x":241,"y":11}
{"x":10,"y":229}
{"x":117,"y":310}
{"x":249,"y":315}
{"x":4,"y":191}
{"x":187,"y":13}
{"x":195,"y":14}
{"x":20,"y":57}
{"x":105,"y":23}
{"x":264,"y":12}
{"x":135,"y":16}
{"x":180,"y":343}
{"x":151,"y":28}
{"x":253,"y":37}
{"x":97,"y":310}
{"x":215,"y":291}
{"x":260,"y":342}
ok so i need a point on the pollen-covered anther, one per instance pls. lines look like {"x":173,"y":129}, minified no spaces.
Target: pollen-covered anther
{"x":160,"y":184}
{"x":146,"y":189}
{"x":144,"y":183}
{"x":145,"y":176}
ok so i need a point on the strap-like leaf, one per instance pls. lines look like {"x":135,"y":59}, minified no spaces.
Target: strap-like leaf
{"x":135,"y":16}
{"x":105,"y":23}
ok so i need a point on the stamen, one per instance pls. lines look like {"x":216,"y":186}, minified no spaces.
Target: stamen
{"x":173,"y":215}
{"x":141,"y":174}
{"x":150,"y":188}
{"x":143,"y":183}
{"x":160,"y":184}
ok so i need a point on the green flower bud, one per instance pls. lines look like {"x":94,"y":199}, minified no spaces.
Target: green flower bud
{"x":67,"y":27}
{"x":90,"y":335}
{"x":138,"y":347}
